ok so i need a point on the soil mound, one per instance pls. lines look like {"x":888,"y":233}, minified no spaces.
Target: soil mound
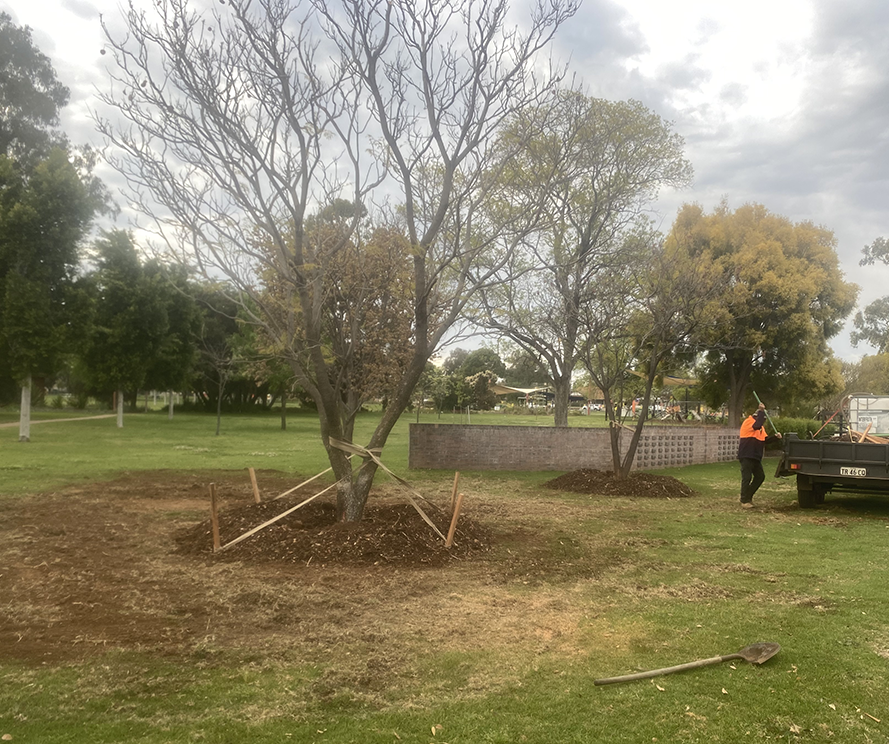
{"x":389,"y":533}
{"x":606,"y":484}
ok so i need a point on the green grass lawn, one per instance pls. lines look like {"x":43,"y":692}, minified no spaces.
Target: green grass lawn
{"x":83,"y":450}
{"x":589,"y":587}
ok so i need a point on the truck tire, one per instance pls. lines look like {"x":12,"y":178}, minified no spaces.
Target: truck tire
{"x":809,"y":494}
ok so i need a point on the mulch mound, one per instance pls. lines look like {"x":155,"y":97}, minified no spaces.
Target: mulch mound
{"x":606,"y":484}
{"x":389,"y":533}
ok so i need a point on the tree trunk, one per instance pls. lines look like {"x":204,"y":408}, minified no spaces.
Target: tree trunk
{"x":170,"y":408}
{"x":25,"y":412}
{"x":119,"y":408}
{"x":561,"y":396}
{"x":283,"y":410}
{"x":630,"y":455}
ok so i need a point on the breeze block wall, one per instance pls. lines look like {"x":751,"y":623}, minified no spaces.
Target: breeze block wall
{"x":484,"y":447}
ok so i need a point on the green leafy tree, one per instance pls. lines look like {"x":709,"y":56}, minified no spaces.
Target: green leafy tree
{"x":484,"y":360}
{"x":868,"y":375}
{"x":524,"y":370}
{"x":172,"y":365}
{"x":130,"y":320}
{"x":30,"y":95}
{"x":783,"y":297}
{"x":48,"y":199}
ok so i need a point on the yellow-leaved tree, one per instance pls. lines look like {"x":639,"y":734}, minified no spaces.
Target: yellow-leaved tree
{"x":783,"y":296}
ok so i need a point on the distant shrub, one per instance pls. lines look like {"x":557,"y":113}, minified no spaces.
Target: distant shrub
{"x":803,"y":428}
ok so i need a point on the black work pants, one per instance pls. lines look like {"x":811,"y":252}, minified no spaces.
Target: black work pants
{"x":752,"y":476}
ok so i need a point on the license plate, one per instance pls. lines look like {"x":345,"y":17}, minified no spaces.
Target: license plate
{"x":858,"y":472}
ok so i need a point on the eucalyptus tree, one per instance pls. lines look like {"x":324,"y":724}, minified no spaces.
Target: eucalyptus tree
{"x":598,"y":164}
{"x":242,"y":122}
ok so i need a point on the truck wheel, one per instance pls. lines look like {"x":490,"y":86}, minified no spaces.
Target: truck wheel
{"x":808,"y":494}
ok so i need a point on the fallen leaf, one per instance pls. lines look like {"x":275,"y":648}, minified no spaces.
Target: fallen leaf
{"x":659,"y":687}
{"x":794,"y":729}
{"x":724,"y":691}
{"x":832,"y":706}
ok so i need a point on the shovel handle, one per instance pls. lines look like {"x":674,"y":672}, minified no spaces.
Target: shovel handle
{"x":668,"y":670}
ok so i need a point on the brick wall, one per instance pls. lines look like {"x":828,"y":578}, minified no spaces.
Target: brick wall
{"x":483,"y":447}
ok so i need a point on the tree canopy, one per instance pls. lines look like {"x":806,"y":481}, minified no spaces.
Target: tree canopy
{"x":598,"y":164}
{"x":783,"y":296}
{"x":30,"y":94}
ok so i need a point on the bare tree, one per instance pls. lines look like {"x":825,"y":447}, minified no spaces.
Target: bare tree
{"x":245,"y":123}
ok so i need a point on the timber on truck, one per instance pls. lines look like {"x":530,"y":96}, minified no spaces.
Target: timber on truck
{"x":855,"y":459}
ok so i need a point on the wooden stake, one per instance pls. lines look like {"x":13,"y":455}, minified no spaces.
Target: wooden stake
{"x":454,"y":492}
{"x":450,"y":541}
{"x":275,"y":519}
{"x":256,"y":495}
{"x":864,"y":435}
{"x":214,"y":517}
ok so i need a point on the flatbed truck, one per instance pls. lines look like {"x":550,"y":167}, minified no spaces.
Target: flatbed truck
{"x":823,"y":465}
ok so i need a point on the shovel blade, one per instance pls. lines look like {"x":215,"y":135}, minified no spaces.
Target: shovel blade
{"x":757,"y":653}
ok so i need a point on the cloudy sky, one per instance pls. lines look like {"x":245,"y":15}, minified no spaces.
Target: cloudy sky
{"x":781,"y":102}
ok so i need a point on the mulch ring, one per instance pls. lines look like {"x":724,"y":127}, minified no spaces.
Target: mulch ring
{"x":391,"y":532}
{"x":606,"y":484}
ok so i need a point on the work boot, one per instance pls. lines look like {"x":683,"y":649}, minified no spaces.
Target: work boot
{"x":746,"y":504}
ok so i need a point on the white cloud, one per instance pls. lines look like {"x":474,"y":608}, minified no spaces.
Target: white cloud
{"x":784,"y":103}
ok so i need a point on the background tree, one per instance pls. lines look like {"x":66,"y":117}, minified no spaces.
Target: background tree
{"x":783,"y":296}
{"x":48,"y":199}
{"x":484,"y":360}
{"x":599,"y":164}
{"x":872,"y":323}
{"x":171,"y":368}
{"x":44,"y":215}
{"x":233,"y":129}
{"x":870,"y":374}
{"x":30,"y":95}
{"x":130,"y":320}
{"x":524,"y":370}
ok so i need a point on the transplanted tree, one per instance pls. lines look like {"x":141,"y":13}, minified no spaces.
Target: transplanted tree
{"x":234,"y":130}
{"x":783,"y":296}
{"x":648,"y":317}
{"x":599,"y":164}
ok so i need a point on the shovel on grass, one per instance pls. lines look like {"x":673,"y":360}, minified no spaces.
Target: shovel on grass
{"x":755,"y":653}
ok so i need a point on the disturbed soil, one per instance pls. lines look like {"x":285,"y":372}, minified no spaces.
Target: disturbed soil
{"x":638,"y":484}
{"x":128,"y":564}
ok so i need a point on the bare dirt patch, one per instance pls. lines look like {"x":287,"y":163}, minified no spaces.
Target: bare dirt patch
{"x":390,"y":533}
{"x":646,"y":485}
{"x":127,"y":565}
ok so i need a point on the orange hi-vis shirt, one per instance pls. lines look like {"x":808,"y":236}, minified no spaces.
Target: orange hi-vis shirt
{"x":752,"y":442}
